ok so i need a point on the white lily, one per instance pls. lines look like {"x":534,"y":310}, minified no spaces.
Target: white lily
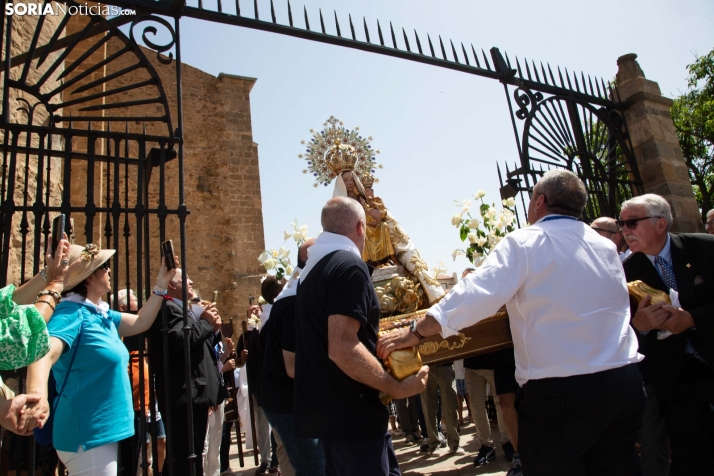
{"x":456,"y":220}
{"x":473,"y":237}
{"x":456,"y":253}
{"x":474,"y":224}
{"x":270,"y":263}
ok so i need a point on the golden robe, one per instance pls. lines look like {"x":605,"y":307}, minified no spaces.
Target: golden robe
{"x":377,"y":243}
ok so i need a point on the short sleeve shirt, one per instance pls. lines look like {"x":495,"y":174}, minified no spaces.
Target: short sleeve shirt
{"x":276,"y":387}
{"x":95,"y":407}
{"x":326,"y":402}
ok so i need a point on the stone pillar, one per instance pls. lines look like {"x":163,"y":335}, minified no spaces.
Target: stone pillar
{"x":656,"y":147}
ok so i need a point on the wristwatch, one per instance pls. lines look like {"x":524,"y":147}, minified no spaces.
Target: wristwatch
{"x":413,"y":328}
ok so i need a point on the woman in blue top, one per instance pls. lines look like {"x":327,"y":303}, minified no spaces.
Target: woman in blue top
{"x":94,"y":410}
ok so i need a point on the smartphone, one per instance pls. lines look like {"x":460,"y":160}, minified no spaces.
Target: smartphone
{"x":58,"y":227}
{"x":167,"y":249}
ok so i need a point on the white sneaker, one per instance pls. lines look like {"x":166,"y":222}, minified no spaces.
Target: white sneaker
{"x":458,"y":451}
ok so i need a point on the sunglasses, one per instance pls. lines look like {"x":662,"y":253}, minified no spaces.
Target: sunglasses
{"x":632,"y":222}
{"x":104,"y":265}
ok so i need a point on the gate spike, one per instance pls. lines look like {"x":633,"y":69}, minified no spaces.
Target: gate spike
{"x":272,"y":11}
{"x":453,"y":50}
{"x":562,"y":83}
{"x":528,"y":69}
{"x":255,"y":8}
{"x":431,"y":47}
{"x":307,"y":22}
{"x":238,"y":8}
{"x":508,"y":61}
{"x":418,"y":42}
{"x":518,"y":67}
{"x":475,"y":57}
{"x":535,"y":70}
{"x":609,"y":88}
{"x":567,"y":76}
{"x":592,"y":90}
{"x":394,"y":38}
{"x":545,"y":76}
{"x":604,"y":89}
{"x":322,"y":22}
{"x":352,"y":28}
{"x":443,"y":51}
{"x":551,"y":74}
{"x":337,"y":24}
{"x":290,"y":15}
{"x":575,"y":78}
{"x":597,"y":85}
{"x":366,"y":31}
{"x":406,"y":40}
{"x":485,"y":58}
{"x":617,"y":93}
{"x":585,"y":86}
{"x":466,"y":56}
{"x":379,"y":30}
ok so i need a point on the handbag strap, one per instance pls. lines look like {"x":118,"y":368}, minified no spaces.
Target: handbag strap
{"x":71,"y":361}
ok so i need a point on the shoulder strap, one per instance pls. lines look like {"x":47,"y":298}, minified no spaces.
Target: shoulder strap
{"x":71,"y":361}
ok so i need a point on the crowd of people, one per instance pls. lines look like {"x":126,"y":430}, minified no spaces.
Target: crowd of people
{"x":593,"y":379}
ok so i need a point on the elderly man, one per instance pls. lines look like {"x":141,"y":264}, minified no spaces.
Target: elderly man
{"x":679,"y":365}
{"x":206,"y":389}
{"x":581,"y":400}
{"x":709,"y":225}
{"x":607,"y":228}
{"x":337,"y":375}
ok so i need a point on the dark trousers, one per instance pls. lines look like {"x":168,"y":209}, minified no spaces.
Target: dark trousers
{"x":581,"y":425}
{"x":408,"y":416}
{"x":177,"y":441}
{"x":226,"y":445}
{"x":305,"y":454}
{"x":688,"y":416}
{"x":361,"y":457}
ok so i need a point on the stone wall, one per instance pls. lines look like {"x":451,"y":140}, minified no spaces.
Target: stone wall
{"x":654,"y":139}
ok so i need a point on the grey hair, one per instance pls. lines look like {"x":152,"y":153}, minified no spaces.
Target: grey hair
{"x":655,"y":206}
{"x":340,"y":215}
{"x":123,"y":297}
{"x":710,"y":212}
{"x":176,"y":280}
{"x":564,"y":192}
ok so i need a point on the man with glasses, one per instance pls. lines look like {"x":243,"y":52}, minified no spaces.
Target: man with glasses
{"x":581,"y":399}
{"x":678,"y":364}
{"x":607,"y":228}
{"x":709,"y":225}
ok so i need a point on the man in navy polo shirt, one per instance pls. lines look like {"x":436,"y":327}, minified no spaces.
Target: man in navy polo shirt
{"x":337,"y":375}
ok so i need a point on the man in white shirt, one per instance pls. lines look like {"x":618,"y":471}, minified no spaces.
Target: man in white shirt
{"x":581,"y":401}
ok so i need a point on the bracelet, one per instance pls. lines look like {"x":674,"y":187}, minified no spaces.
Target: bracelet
{"x":413,"y":328}
{"x":53,"y":294}
{"x":160,"y":291}
{"x":46,"y":302}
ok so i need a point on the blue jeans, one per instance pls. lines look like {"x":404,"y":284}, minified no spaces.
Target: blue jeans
{"x":305,"y":454}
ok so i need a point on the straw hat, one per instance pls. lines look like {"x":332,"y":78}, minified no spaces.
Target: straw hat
{"x":92,"y":258}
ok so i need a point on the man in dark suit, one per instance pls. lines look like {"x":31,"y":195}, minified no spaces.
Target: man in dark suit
{"x":206,"y":389}
{"x":680,"y":365}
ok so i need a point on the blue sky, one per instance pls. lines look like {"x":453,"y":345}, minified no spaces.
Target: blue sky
{"x":440,"y":132}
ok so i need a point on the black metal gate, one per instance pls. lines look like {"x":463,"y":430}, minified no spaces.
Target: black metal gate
{"x":75,"y":138}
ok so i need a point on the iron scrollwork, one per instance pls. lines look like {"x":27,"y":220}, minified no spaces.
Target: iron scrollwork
{"x":152,"y":30}
{"x":526,"y":100}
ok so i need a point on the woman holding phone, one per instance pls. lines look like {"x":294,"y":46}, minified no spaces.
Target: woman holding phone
{"x":93,"y":410}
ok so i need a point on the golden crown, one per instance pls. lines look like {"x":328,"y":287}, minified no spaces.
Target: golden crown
{"x":336,"y":149}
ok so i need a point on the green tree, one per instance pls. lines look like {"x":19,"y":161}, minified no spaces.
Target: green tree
{"x":693,"y":116}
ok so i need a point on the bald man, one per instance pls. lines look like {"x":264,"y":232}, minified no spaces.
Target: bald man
{"x":607,"y":227}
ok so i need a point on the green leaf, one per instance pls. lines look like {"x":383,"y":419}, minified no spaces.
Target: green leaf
{"x":464,"y":232}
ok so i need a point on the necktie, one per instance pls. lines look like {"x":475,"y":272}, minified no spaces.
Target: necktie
{"x":671,"y":282}
{"x":667,"y":273}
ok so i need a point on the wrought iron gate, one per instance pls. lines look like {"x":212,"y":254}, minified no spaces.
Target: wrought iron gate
{"x":75,"y":139}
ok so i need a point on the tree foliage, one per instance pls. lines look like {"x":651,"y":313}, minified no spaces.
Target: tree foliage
{"x":693,"y":116}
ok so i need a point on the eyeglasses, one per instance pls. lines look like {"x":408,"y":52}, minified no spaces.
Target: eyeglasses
{"x":709,"y":223}
{"x":104,"y":265}
{"x":606,"y":231}
{"x":632,"y":222}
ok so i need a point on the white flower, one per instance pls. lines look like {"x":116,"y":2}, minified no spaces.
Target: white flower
{"x":283,"y":253}
{"x":287,"y":235}
{"x":511,"y":202}
{"x":481,"y":241}
{"x":274,"y":252}
{"x":456,"y":220}
{"x":467,"y":206}
{"x":289,"y":270}
{"x":480,"y":194}
{"x":456,"y":253}
{"x":473,"y":237}
{"x":264,"y":256}
{"x":303,"y":230}
{"x":270,"y":263}
{"x":474,"y":224}
{"x":492,"y":213}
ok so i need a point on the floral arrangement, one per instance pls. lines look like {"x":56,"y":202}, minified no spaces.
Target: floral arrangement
{"x":438,"y":270}
{"x":254,"y":321}
{"x":486,"y":230}
{"x":278,"y":261}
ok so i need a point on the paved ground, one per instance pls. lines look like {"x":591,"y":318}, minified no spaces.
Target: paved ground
{"x":414,"y":463}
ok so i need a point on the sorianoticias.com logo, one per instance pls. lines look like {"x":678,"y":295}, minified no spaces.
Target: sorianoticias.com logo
{"x":51,"y":8}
